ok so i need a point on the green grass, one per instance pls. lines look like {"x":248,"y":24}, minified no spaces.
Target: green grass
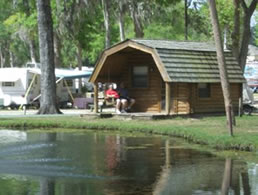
{"x":211,"y":131}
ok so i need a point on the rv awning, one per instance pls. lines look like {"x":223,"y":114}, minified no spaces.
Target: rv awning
{"x":67,"y":74}
{"x":72,"y":74}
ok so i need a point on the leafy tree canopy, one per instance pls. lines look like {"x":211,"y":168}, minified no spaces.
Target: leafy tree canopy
{"x":81,"y":24}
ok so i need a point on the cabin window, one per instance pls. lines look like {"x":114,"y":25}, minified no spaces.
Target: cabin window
{"x":69,"y":83}
{"x":8,"y":84}
{"x":204,"y":90}
{"x":140,"y":76}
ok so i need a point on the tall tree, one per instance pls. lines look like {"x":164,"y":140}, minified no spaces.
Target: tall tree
{"x":48,"y":101}
{"x":135,"y":7}
{"x":222,"y":66}
{"x":121,"y":8}
{"x":235,"y":36}
{"x":106,"y":13}
{"x":31,"y":41}
{"x":246,"y":35}
{"x":187,"y":4}
{"x":5,"y":35}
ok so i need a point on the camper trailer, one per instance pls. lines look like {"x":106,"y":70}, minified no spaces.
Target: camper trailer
{"x":14,"y":83}
{"x":21,"y":86}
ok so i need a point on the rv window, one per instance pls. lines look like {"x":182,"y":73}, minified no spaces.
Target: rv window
{"x":204,"y":90}
{"x":140,"y":76}
{"x":69,"y":83}
{"x":8,"y":84}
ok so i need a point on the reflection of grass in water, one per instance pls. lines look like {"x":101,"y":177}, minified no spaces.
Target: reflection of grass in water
{"x":142,"y":146}
{"x":237,"y":155}
{"x":86,"y":131}
{"x":148,"y":145}
{"x":135,"y":147}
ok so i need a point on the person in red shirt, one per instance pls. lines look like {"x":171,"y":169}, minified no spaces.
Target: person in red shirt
{"x":111,"y":93}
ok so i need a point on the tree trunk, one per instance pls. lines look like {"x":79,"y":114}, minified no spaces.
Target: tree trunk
{"x":245,"y":42}
{"x":105,"y":4}
{"x":31,"y":41}
{"x":79,"y":60}
{"x":1,"y":58}
{"x":7,"y":56}
{"x":121,"y":20}
{"x":57,"y":49}
{"x":222,"y":65}
{"x":236,"y":31}
{"x":248,"y":12}
{"x":33,"y":55}
{"x":58,"y":7}
{"x":186,"y":20}
{"x":26,"y":7}
{"x":48,"y":104}
{"x":138,"y":27}
{"x":11,"y":59}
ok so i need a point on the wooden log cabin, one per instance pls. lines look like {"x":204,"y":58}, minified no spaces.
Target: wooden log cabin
{"x":168,"y":77}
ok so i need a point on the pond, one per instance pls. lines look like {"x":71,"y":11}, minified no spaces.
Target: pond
{"x":96,"y":163}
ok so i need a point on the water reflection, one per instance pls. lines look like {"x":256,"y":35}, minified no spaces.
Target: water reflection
{"x":231,"y":182}
{"x":163,"y":179}
{"x":245,"y":181}
{"x":95,"y":163}
{"x":47,"y":184}
{"x":227,"y":177}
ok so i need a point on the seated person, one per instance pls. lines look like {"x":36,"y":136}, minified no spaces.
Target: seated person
{"x":111,"y":93}
{"x":126,"y":101}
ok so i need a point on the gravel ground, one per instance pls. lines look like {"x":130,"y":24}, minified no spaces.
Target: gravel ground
{"x":22,"y":113}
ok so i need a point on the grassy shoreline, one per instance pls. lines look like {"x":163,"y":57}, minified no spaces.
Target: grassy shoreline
{"x":210,"y":131}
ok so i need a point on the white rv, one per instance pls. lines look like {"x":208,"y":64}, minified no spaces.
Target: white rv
{"x":14,"y":83}
{"x":21,"y":86}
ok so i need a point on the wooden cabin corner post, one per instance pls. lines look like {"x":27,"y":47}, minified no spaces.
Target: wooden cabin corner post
{"x":168,"y":98}
{"x":96,"y":103}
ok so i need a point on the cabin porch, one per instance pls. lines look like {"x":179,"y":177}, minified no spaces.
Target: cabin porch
{"x":139,"y":72}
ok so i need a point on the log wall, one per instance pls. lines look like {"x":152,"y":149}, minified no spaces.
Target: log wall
{"x":185,"y":98}
{"x":216,"y":102}
{"x":147,"y":99}
{"x":180,"y":98}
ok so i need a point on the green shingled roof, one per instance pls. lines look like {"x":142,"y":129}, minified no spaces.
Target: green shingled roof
{"x":193,"y":62}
